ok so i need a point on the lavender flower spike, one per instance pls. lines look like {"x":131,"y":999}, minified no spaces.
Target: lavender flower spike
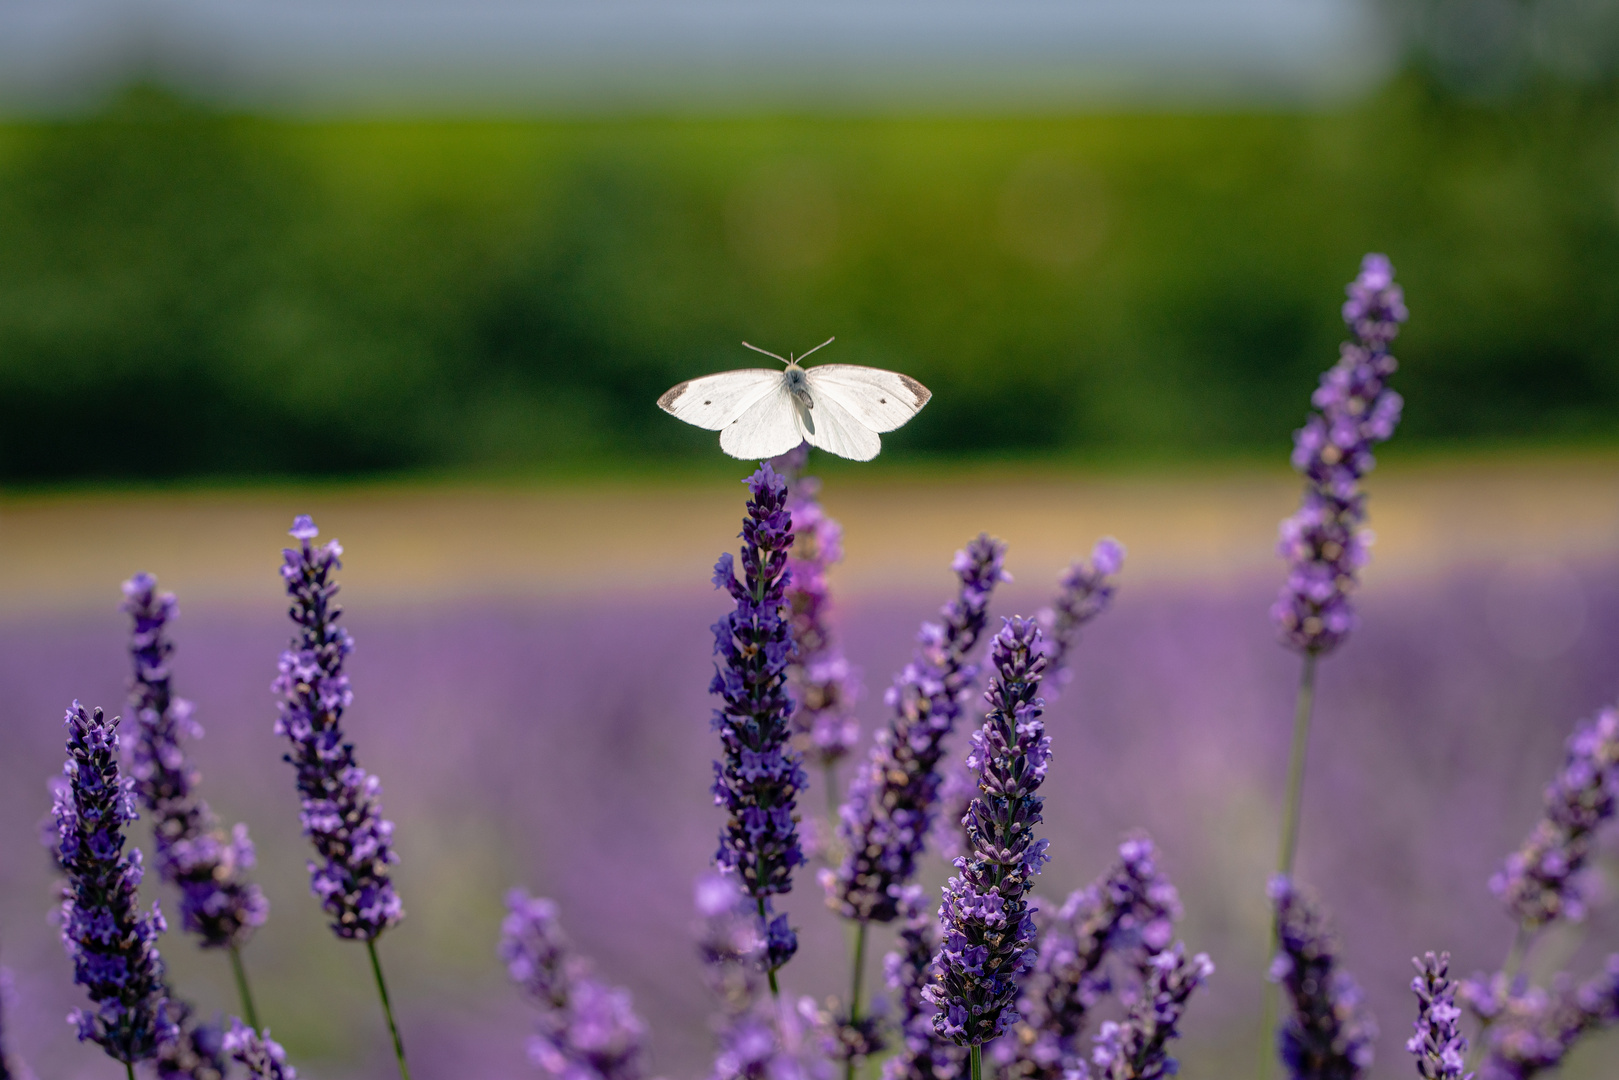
{"x":922,"y":1054}
{"x":1324,"y":542}
{"x":1084,"y":592}
{"x":262,"y":1056}
{"x":1137,"y":1048}
{"x":217,"y":902}
{"x":1528,"y":1030}
{"x":197,"y":1051}
{"x":341,"y":814}
{"x":587,"y":1030}
{"x":113,"y":947}
{"x":823,"y":682}
{"x":759,"y":777}
{"x":988,"y":929}
{"x":1329,"y":1035}
{"x":1439,"y":1046}
{"x":1540,"y":882}
{"x":893,"y":798}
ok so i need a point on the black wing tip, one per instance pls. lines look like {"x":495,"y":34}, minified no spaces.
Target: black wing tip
{"x":666,"y":401}
{"x":922,"y":393}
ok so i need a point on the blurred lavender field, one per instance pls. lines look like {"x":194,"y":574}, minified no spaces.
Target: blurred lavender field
{"x":563,"y":743}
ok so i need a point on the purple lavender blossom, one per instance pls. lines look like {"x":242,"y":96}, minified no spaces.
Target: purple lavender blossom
{"x":197,"y":1051}
{"x":587,"y":1030}
{"x":922,"y":1054}
{"x":262,"y":1056}
{"x":988,"y":929}
{"x":1324,"y":542}
{"x":1329,"y":1035}
{"x":1129,"y":914}
{"x":1136,"y":1049}
{"x":759,"y":777}
{"x":1540,"y":882}
{"x":341,"y":814}
{"x":892,"y":799}
{"x":113,"y":946}
{"x":822,"y":680}
{"x":1083,"y":593}
{"x":1528,"y":1030}
{"x":217,"y":902}
{"x":1439,"y":1046}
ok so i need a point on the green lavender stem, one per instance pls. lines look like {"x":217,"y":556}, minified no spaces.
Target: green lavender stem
{"x":129,"y":1070}
{"x":775,"y":988}
{"x":1302,"y":710}
{"x":387,"y":1010}
{"x":976,"y":1056}
{"x":855,"y":981}
{"x":249,"y":1013}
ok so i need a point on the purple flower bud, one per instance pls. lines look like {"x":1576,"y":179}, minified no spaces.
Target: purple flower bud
{"x":587,"y":1029}
{"x":194,"y":853}
{"x":894,"y":796}
{"x":1540,"y":882}
{"x":1329,"y":1034}
{"x":1324,"y":542}
{"x":758,"y":778}
{"x":113,"y":947}
{"x":1439,"y":1046}
{"x":341,"y":812}
{"x":262,"y":1056}
{"x":986,"y":922}
{"x":1137,"y":1049}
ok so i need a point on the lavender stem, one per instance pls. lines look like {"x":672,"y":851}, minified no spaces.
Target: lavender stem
{"x":129,"y":1070}
{"x":976,"y":1057}
{"x":248,"y":1011}
{"x":1302,"y":710}
{"x":387,"y":1009}
{"x":764,"y":920}
{"x":855,"y":980}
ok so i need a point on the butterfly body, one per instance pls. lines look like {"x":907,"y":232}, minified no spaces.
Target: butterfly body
{"x":759,"y":412}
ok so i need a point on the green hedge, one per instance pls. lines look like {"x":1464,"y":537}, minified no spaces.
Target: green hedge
{"x":184,"y":293}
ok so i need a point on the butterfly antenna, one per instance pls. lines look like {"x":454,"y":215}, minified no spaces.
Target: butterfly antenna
{"x":767,"y":352}
{"x":822,"y":345}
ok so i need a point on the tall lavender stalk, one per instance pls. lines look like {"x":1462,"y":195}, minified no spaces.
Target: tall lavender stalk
{"x":1325,"y":542}
{"x":823,"y":682}
{"x":341,"y":813}
{"x":587,"y":1029}
{"x":894,"y":796}
{"x":217,"y":901}
{"x":987,"y":926}
{"x":113,"y":947}
{"x":1329,"y":1034}
{"x":1128,"y":915}
{"x":758,"y":777}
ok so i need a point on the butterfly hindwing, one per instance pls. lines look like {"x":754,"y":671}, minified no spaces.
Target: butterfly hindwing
{"x":880,"y":400}
{"x":714,"y":401}
{"x":839,"y":431}
{"x":769,"y":426}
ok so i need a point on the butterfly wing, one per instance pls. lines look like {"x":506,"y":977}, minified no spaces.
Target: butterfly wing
{"x":714,"y":401}
{"x":767,"y":427}
{"x":880,"y":400}
{"x":838,"y":431}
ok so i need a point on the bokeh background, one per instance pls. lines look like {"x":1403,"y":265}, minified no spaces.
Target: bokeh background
{"x":422,"y":269}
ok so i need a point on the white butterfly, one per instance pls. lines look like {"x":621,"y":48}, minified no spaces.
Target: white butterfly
{"x":760,"y":413}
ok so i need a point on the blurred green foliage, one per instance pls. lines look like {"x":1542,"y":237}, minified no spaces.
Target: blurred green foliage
{"x":184,"y":293}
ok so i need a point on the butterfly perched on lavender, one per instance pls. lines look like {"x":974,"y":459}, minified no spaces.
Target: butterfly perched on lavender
{"x":760,"y":412}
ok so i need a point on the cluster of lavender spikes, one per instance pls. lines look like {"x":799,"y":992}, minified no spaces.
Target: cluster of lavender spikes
{"x":261,"y":1056}
{"x":759,"y":777}
{"x":1329,"y":1035}
{"x":341,"y":813}
{"x":217,"y":902}
{"x":885,"y":820}
{"x":1083,"y":593}
{"x":1324,"y":542}
{"x":1137,"y":1048}
{"x":1128,"y":914}
{"x":823,"y":682}
{"x":987,"y":926}
{"x":587,"y":1029}
{"x":113,"y":946}
{"x":1540,"y":882}
{"x":1439,"y":1046}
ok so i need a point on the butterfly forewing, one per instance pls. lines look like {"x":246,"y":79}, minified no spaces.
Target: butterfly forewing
{"x":714,"y":401}
{"x":769,"y":426}
{"x":881,"y":400}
